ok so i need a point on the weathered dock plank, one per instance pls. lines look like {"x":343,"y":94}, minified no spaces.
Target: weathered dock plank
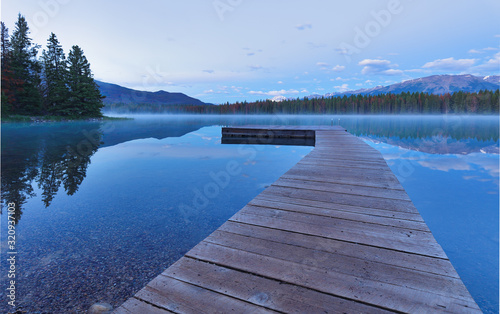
{"x":337,"y":233}
{"x":258,"y":290}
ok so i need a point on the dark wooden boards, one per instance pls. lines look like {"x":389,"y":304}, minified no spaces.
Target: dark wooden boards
{"x":337,"y":233}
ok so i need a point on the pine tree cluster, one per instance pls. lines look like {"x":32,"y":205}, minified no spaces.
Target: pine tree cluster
{"x":51,"y":85}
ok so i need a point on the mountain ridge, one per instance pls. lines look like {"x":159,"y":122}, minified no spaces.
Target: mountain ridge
{"x":116,"y":94}
{"x":434,"y":84}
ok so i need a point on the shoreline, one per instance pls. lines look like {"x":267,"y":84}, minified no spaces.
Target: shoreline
{"x":52,"y":119}
{"x":47,"y":119}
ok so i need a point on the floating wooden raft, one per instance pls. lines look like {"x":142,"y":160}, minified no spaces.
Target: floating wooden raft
{"x":336,"y":233}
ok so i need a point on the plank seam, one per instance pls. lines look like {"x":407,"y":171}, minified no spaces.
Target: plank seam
{"x":341,"y":210}
{"x":333,"y":202}
{"x":290,"y":283}
{"x":215,"y":291}
{"x":263,"y":197}
{"x":332,"y":158}
{"x":354,"y":257}
{"x":336,"y":165}
{"x":339,"y":218}
{"x":154,"y":305}
{"x":353,"y":242}
{"x":312,"y":189}
{"x":350,"y":184}
{"x":414,"y":246}
{"x":464,"y":298}
{"x":291,"y":176}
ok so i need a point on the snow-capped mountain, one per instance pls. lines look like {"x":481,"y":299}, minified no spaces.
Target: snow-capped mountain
{"x":435,"y":84}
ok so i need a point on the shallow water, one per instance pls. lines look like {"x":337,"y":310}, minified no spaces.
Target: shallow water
{"x":102,"y":208}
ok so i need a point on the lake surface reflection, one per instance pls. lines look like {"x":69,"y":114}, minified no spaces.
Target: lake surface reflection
{"x":104,"y":207}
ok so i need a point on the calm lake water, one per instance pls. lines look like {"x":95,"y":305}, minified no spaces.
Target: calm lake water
{"x":103,"y":208}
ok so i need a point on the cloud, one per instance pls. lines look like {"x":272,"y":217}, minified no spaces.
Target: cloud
{"x":323,"y":64}
{"x":342,"y":88}
{"x":338,"y":68}
{"x":445,"y":164}
{"x":280,"y":82}
{"x":490,"y":49}
{"x":475,"y":51}
{"x":274,"y":92}
{"x":219,"y":91}
{"x":255,"y":67}
{"x":493,"y":64}
{"x":251,"y":52}
{"x":417,"y":71}
{"x":379,"y":67}
{"x":460,"y":162}
{"x":375,"y":62}
{"x":237,"y":88}
{"x":316,"y":45}
{"x":209,"y":71}
{"x":488,"y":163}
{"x":338,"y":78}
{"x":393,"y":72}
{"x":302,"y":27}
{"x":342,"y":51}
{"x":450,"y":64}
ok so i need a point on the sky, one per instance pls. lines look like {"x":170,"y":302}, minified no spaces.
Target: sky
{"x":234,"y":50}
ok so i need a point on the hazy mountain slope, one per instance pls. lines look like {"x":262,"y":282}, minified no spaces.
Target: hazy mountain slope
{"x":118,"y":94}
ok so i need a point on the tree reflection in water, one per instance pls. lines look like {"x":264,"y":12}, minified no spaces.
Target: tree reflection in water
{"x":58,"y":154}
{"x":52,"y":157}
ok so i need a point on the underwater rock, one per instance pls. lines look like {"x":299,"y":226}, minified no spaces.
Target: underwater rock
{"x":100,"y":308}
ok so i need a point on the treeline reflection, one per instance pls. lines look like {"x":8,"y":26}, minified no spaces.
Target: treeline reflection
{"x":52,"y":157}
{"x":48,"y":157}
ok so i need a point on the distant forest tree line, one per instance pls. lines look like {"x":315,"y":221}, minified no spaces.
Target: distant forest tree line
{"x":50,"y":85}
{"x":482,"y":102}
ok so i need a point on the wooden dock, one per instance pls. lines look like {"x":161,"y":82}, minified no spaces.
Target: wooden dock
{"x":337,"y":233}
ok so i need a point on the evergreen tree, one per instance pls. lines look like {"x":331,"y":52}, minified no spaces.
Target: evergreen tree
{"x":6,"y":47}
{"x":7,"y":78}
{"x":26,"y":70}
{"x":55,"y":76}
{"x":85,"y":99}
{"x":427,"y":107}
